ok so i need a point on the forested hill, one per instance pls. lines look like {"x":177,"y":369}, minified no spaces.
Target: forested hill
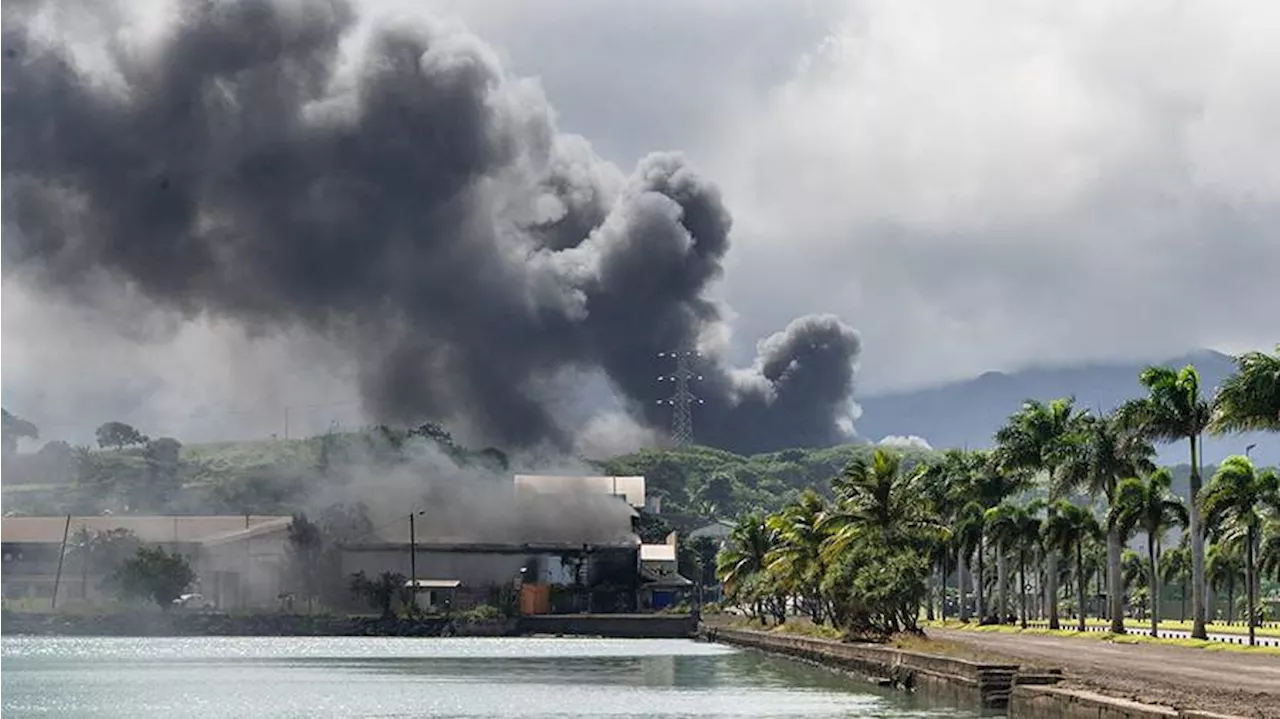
{"x":281,"y":476}
{"x":704,"y":481}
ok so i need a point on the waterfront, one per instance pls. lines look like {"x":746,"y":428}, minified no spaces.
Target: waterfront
{"x":491,"y":677}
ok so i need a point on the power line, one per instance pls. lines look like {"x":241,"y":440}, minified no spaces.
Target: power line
{"x":682,"y":399}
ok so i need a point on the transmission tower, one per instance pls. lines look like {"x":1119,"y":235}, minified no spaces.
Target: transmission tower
{"x":682,"y":398}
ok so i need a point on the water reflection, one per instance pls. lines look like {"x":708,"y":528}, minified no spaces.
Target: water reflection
{"x":276,"y":677}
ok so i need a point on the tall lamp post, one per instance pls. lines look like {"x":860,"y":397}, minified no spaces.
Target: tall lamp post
{"x":1249,"y":449}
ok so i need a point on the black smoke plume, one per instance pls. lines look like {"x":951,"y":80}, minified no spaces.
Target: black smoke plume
{"x":422,"y":210}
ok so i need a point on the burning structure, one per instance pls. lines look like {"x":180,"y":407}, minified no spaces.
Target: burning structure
{"x":564,"y":566}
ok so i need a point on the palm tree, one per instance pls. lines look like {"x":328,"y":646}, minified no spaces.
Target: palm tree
{"x":1224,"y":565}
{"x":1135,"y":573}
{"x":879,"y":495}
{"x":1269,"y":551}
{"x":939,"y":480}
{"x":744,"y":556}
{"x":796,"y":555}
{"x":1033,"y":441}
{"x":1152,"y":508}
{"x":1249,"y":399}
{"x":1019,"y":527}
{"x":967,"y":535}
{"x":1172,"y":411}
{"x":1238,"y":494}
{"x":1175,"y":568}
{"x":999,"y":525}
{"x":1068,"y":530}
{"x":1102,"y":453}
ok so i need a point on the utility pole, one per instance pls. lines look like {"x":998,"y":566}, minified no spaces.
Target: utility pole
{"x":286,"y":422}
{"x":57,"y":578}
{"x":413,"y":567}
{"x":682,"y":398}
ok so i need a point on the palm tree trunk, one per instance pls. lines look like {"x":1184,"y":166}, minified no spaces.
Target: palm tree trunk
{"x":942,"y":600}
{"x":1182,"y":612}
{"x":1155,"y":586}
{"x":979,"y":594}
{"x":1231,"y":600}
{"x":1115,"y":580}
{"x":1197,"y":549}
{"x":961,"y":569}
{"x":1080,"y":583}
{"x":931,"y":592}
{"x":1251,"y":583}
{"x":1002,"y":584}
{"x":1051,"y":580}
{"x":1022,"y":589}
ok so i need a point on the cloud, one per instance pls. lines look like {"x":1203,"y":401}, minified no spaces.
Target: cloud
{"x":908,"y":442}
{"x":989,"y":184}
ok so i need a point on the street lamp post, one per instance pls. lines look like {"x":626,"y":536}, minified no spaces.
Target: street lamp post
{"x":1249,"y":449}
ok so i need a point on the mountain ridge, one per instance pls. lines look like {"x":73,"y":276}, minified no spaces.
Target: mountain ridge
{"x":966,"y":413}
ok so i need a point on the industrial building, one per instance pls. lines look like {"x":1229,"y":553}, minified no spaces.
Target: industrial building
{"x":610,"y":571}
{"x":238,"y":559}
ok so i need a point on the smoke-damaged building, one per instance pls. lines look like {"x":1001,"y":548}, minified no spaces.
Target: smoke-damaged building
{"x":575,"y":550}
{"x":238,"y":559}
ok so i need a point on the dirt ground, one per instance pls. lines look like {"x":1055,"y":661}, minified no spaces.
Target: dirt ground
{"x":1226,"y":682}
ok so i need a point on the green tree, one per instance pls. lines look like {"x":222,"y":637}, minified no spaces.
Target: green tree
{"x":13,"y":428}
{"x":940,"y":480}
{"x":796,"y":557}
{"x":878,"y":494}
{"x":1015,"y":530}
{"x":1028,"y":535}
{"x":1240,"y":495}
{"x":118,"y":435}
{"x":1151,"y":507}
{"x":969,"y":526}
{"x":1223,"y":566}
{"x":1249,"y":399}
{"x":1175,"y":410}
{"x":1175,"y":568}
{"x":305,"y":556}
{"x":1104,"y":451}
{"x":382,"y":591}
{"x":743,"y":559}
{"x":1034,"y":441}
{"x":1068,"y":529}
{"x":1269,"y":551}
{"x":154,"y":574}
{"x":101,"y":551}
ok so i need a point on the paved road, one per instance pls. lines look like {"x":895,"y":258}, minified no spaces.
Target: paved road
{"x":1228,"y":682}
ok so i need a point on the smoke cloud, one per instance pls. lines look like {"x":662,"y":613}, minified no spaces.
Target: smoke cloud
{"x":405,"y":200}
{"x":467,"y":501}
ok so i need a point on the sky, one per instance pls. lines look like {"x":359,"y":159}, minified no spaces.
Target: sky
{"x":972,"y":186}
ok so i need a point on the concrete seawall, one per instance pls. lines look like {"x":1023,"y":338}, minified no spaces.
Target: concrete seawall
{"x":1023,"y":692}
{"x":1061,"y":703}
{"x":987,"y":685}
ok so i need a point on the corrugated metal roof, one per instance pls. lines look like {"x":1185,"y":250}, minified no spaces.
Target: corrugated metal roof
{"x":154,"y":529}
{"x":630,"y":488}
